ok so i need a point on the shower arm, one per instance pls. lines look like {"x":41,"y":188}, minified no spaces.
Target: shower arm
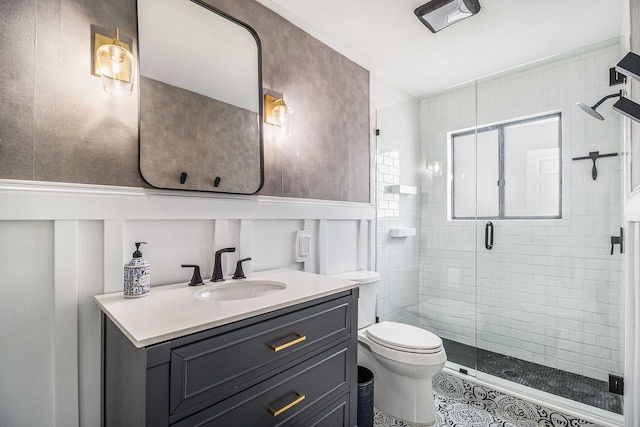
{"x":613,"y":95}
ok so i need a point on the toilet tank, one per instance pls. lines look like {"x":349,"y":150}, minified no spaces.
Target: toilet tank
{"x":368,"y":294}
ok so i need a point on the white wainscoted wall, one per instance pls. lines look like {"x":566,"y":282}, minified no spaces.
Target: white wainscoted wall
{"x":61,"y":244}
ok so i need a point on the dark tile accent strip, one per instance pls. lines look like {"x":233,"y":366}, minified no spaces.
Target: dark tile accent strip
{"x":560,"y":383}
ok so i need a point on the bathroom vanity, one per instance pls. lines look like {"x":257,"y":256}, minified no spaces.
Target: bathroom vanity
{"x":284,"y":358}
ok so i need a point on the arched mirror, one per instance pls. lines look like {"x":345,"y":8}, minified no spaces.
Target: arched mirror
{"x":200,"y":98}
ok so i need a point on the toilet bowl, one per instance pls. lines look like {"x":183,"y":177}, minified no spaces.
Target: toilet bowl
{"x":403,"y":358}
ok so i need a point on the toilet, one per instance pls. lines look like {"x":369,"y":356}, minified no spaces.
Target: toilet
{"x":403,"y":358}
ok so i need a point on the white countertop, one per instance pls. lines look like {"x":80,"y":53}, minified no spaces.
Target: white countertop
{"x":171,"y":311}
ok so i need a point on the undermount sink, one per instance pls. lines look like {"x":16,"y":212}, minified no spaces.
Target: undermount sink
{"x":239,"y":290}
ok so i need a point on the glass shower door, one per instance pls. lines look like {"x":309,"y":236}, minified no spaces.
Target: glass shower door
{"x":549,"y":283}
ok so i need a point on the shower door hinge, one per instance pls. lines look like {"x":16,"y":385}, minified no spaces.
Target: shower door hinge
{"x":377,"y":132}
{"x":616,"y":384}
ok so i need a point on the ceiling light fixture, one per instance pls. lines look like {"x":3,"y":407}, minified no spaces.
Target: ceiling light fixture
{"x":438,"y":14}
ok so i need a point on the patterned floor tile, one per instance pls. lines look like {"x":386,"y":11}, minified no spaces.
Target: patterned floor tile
{"x":461,"y":403}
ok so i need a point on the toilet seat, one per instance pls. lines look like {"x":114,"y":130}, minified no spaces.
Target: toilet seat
{"x":404,"y":338}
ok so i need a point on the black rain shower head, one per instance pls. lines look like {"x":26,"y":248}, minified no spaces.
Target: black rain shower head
{"x":592,"y":110}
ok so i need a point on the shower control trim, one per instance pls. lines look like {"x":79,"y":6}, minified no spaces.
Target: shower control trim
{"x":618,"y":240}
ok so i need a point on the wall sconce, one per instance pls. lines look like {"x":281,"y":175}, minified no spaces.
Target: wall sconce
{"x":114,"y":62}
{"x":438,"y":14}
{"x":276,"y":111}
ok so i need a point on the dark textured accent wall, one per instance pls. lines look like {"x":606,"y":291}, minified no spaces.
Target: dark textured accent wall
{"x":56,"y":123}
{"x":215,"y":140}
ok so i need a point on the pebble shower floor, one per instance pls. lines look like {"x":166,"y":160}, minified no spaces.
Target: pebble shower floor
{"x":461,"y":403}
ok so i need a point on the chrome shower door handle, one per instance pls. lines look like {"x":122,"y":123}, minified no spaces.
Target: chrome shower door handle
{"x":488,"y":235}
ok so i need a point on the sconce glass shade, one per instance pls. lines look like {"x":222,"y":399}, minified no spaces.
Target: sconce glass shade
{"x":281,"y":114}
{"x":276,"y":112}
{"x":438,"y":14}
{"x":116,"y":66}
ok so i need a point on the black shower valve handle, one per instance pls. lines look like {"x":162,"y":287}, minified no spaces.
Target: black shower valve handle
{"x":618,"y":240}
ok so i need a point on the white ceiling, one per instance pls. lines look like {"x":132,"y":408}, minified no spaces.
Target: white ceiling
{"x":385,"y":37}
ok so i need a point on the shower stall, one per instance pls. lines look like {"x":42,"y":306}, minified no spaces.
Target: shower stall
{"x":500,"y":227}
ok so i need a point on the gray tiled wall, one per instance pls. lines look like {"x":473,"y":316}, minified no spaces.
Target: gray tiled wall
{"x":56,"y":123}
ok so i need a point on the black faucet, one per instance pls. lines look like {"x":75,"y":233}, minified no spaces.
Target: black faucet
{"x":217,"y":275}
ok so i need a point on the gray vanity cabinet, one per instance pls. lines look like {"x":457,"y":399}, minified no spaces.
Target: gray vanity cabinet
{"x":295,"y":366}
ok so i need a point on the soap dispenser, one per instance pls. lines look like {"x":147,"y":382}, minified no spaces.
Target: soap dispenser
{"x":137,"y":275}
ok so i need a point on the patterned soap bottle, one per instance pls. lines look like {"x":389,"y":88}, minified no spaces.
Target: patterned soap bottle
{"x":137,"y":275}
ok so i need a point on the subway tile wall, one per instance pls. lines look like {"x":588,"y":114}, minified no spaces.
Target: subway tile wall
{"x":549,"y":292}
{"x":398,"y":162}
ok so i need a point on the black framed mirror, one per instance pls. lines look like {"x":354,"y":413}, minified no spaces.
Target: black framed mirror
{"x":200,"y":98}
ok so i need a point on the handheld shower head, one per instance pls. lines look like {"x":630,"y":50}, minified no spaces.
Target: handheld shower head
{"x":592,"y":110}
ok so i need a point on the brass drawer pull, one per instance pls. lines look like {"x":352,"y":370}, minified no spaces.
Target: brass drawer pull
{"x":288,"y":344}
{"x":288,"y":406}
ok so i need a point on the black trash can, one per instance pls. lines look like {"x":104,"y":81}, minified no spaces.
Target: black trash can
{"x":365,"y":397}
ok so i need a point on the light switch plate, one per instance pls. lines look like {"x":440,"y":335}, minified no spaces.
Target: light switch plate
{"x":303,"y":246}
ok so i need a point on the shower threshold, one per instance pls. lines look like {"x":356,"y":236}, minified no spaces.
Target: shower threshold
{"x":574,"y":387}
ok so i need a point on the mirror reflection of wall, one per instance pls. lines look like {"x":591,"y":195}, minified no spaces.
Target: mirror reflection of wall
{"x":200,"y":103}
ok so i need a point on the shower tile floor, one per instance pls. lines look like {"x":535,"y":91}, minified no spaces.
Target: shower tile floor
{"x":462,"y":403}
{"x":560,"y":383}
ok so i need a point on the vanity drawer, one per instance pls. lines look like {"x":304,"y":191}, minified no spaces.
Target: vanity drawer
{"x":207,"y":371}
{"x":336,"y":414}
{"x":289,"y":397}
